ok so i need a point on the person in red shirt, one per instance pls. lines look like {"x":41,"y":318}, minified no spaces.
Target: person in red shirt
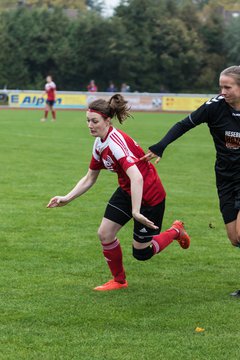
{"x":50,"y":91}
{"x":140,"y":194}
{"x":92,"y":87}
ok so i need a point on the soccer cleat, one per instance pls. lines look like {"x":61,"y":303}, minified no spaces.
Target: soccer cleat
{"x":43,"y":120}
{"x":183,"y":237}
{"x":111,"y":285}
{"x":236,"y":293}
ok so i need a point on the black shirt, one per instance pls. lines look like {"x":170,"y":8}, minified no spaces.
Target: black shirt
{"x":224,"y":125}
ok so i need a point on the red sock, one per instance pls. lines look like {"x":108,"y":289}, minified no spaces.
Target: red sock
{"x":161,"y":241}
{"x":113,"y":255}
{"x":54,"y":114}
{"x":45,"y":114}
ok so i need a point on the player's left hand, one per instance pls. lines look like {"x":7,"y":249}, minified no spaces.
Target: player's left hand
{"x":145,"y":221}
{"x":149,"y":156}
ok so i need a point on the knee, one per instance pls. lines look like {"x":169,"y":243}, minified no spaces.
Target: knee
{"x":143,"y":254}
{"x":234,"y":240}
{"x":102,"y":235}
{"x":233,"y":236}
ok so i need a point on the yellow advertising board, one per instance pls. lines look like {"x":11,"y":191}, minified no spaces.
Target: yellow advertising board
{"x":178,"y":103}
{"x":137,"y":101}
{"x":35,"y":100}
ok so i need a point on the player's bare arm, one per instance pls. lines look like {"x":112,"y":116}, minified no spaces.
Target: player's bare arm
{"x":82,"y":186}
{"x":136,"y":196}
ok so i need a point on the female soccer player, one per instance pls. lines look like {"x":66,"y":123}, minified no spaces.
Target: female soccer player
{"x":50,"y":90}
{"x":140,"y":193}
{"x":222,"y":114}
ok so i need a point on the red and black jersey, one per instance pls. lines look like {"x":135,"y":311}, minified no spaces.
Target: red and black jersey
{"x":117,"y":152}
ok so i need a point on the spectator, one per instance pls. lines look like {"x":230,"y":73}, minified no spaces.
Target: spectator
{"x":125,"y":88}
{"x":111,"y":87}
{"x":92,"y":87}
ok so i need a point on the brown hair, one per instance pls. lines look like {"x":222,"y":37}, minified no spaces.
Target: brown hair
{"x":116,"y":106}
{"x":234,"y":72}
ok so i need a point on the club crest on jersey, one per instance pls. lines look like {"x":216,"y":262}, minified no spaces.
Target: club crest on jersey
{"x":130,"y":160}
{"x":108,"y":163}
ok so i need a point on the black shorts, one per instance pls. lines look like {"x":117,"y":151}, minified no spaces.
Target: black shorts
{"x":50,"y":102}
{"x":229,"y":199}
{"x":119,"y":210}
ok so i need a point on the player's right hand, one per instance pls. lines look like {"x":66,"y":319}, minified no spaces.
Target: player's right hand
{"x":57,"y":201}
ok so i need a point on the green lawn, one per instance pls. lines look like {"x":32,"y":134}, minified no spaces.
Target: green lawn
{"x":51,"y":258}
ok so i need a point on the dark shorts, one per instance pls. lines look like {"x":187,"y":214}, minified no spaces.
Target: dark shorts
{"x":50,"y":102}
{"x":119,"y":210}
{"x":229,"y":199}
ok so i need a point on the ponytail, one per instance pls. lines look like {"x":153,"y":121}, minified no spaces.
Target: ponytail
{"x":115,"y":107}
{"x":119,"y":107}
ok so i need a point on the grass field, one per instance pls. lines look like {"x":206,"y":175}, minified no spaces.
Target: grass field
{"x":51,"y":258}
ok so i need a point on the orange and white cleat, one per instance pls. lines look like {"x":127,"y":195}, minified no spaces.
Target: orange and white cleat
{"x":183,"y":237}
{"x":111,"y":285}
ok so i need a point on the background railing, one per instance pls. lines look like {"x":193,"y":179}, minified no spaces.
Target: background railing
{"x":79,"y":100}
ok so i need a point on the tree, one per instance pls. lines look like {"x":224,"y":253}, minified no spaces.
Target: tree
{"x":231,"y":42}
{"x":70,"y":4}
{"x":179,"y":55}
{"x":37,"y":38}
{"x":8,"y":4}
{"x":165,"y":44}
{"x":90,"y":44}
{"x":211,"y":31}
{"x":138,"y":61}
{"x":96,"y":5}
{"x":150,"y":44}
{"x":227,"y":4}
